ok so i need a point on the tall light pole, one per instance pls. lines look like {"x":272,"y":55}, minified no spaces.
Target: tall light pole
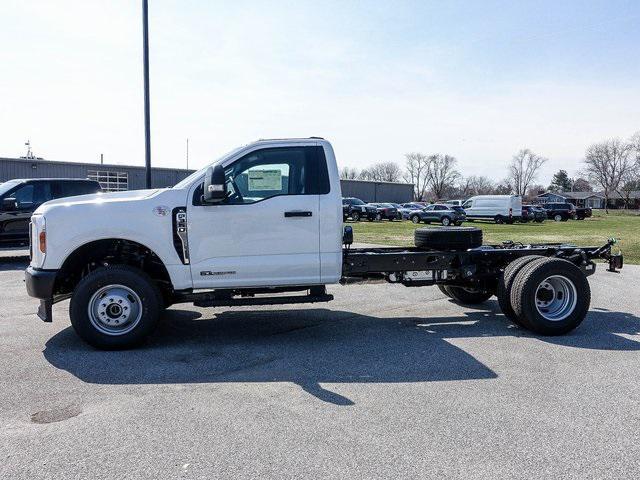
{"x":147,"y":122}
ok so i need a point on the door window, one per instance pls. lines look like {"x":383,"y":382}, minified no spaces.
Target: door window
{"x":468,"y":204}
{"x":32,"y":195}
{"x":273,"y":172}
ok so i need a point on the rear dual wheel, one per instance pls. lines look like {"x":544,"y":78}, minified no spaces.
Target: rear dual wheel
{"x":549,"y":296}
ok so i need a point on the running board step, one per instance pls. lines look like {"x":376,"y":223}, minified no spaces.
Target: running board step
{"x":240,"y":302}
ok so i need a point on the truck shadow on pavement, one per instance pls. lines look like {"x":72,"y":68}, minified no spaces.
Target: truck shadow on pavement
{"x":310,"y":347}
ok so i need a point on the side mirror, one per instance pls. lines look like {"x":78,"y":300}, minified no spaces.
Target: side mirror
{"x":9,"y":204}
{"x":215,"y":185}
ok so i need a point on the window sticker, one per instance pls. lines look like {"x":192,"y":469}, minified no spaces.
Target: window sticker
{"x":265,"y":180}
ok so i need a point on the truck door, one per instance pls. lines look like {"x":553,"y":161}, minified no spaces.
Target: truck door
{"x":267,"y":231}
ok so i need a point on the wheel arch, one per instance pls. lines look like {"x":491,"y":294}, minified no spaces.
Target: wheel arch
{"x":111,"y":251}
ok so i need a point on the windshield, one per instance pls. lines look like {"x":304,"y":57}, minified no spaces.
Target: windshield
{"x":191,"y":178}
{"x":357,"y":201}
{"x":6,"y":186}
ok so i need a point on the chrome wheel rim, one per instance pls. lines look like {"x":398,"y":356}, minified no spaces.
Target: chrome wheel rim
{"x":557,"y":218}
{"x":115,"y":310}
{"x":556,"y":298}
{"x":446,"y":222}
{"x":415,"y":219}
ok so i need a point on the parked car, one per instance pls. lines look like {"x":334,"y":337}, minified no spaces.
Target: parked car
{"x":441,"y":213}
{"x":457,"y":203}
{"x":357,"y":209}
{"x":407,"y":208}
{"x":560,"y":212}
{"x":387,"y":211}
{"x":499,"y":208}
{"x":533,"y":213}
{"x":19,"y":198}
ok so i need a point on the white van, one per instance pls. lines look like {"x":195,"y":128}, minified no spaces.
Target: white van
{"x":499,"y":208}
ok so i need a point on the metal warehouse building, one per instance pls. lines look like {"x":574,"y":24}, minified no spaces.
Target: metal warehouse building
{"x":377,"y":191}
{"x":111,"y":177}
{"x":122,"y":177}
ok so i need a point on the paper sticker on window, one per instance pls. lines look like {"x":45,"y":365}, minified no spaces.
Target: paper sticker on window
{"x":265,"y":180}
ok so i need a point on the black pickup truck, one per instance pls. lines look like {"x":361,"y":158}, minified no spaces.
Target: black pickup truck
{"x":19,"y":198}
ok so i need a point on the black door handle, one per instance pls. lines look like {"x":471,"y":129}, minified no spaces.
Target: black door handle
{"x":297,"y":214}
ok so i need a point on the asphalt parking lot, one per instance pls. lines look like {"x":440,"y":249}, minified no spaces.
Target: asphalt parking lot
{"x":385,"y":381}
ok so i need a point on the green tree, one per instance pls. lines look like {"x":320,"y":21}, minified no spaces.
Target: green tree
{"x":560,"y":182}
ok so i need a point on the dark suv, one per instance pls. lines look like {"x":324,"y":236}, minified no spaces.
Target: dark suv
{"x":560,"y":212}
{"x":357,"y":209}
{"x":444,"y":214}
{"x":533,"y":213}
{"x":20,"y":198}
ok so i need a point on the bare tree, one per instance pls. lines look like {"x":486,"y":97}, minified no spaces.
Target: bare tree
{"x":607,"y":164}
{"x":476,"y":185}
{"x":582,"y":185}
{"x":533,"y":191}
{"x":504,"y":187}
{"x":443,"y":174}
{"x":347,"y":173}
{"x":523,"y":169}
{"x":418,"y":167}
{"x":382,"y":172}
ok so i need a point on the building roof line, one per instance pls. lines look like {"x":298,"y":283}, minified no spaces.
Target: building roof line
{"x":92,"y":165}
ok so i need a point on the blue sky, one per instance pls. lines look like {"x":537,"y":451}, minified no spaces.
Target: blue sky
{"x":478,"y":80}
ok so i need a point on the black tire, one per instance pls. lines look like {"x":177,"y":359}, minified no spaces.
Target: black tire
{"x":448,"y":238}
{"x":150,"y":306}
{"x":378,"y":217}
{"x":505,"y":284}
{"x":445,"y":221}
{"x":565,"y":219}
{"x":457,"y":224}
{"x":355,"y":216}
{"x":526,"y":292}
{"x":415,"y":219}
{"x":467,"y":296}
{"x":539,"y":220}
{"x":499,"y":219}
{"x":558,"y":218}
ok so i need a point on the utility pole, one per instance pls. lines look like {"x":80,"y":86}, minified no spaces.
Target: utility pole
{"x":147,"y":122}
{"x":101,"y":159}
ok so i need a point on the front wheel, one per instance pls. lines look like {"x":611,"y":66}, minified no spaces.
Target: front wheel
{"x":115,"y":307}
{"x":378,"y":217}
{"x":355,"y":216}
{"x":557,"y":217}
{"x":415,"y":219}
{"x":498,"y":219}
{"x":446,"y":221}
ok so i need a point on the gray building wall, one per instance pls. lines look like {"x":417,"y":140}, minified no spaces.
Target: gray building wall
{"x":11,"y":168}
{"x":377,"y":191}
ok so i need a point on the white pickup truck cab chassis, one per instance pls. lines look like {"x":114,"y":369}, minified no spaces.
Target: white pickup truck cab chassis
{"x":263,"y":225}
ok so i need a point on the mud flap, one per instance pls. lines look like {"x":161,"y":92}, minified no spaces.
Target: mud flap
{"x":44,"y":310}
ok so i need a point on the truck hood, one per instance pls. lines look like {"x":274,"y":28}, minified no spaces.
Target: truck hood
{"x":99,"y":199}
